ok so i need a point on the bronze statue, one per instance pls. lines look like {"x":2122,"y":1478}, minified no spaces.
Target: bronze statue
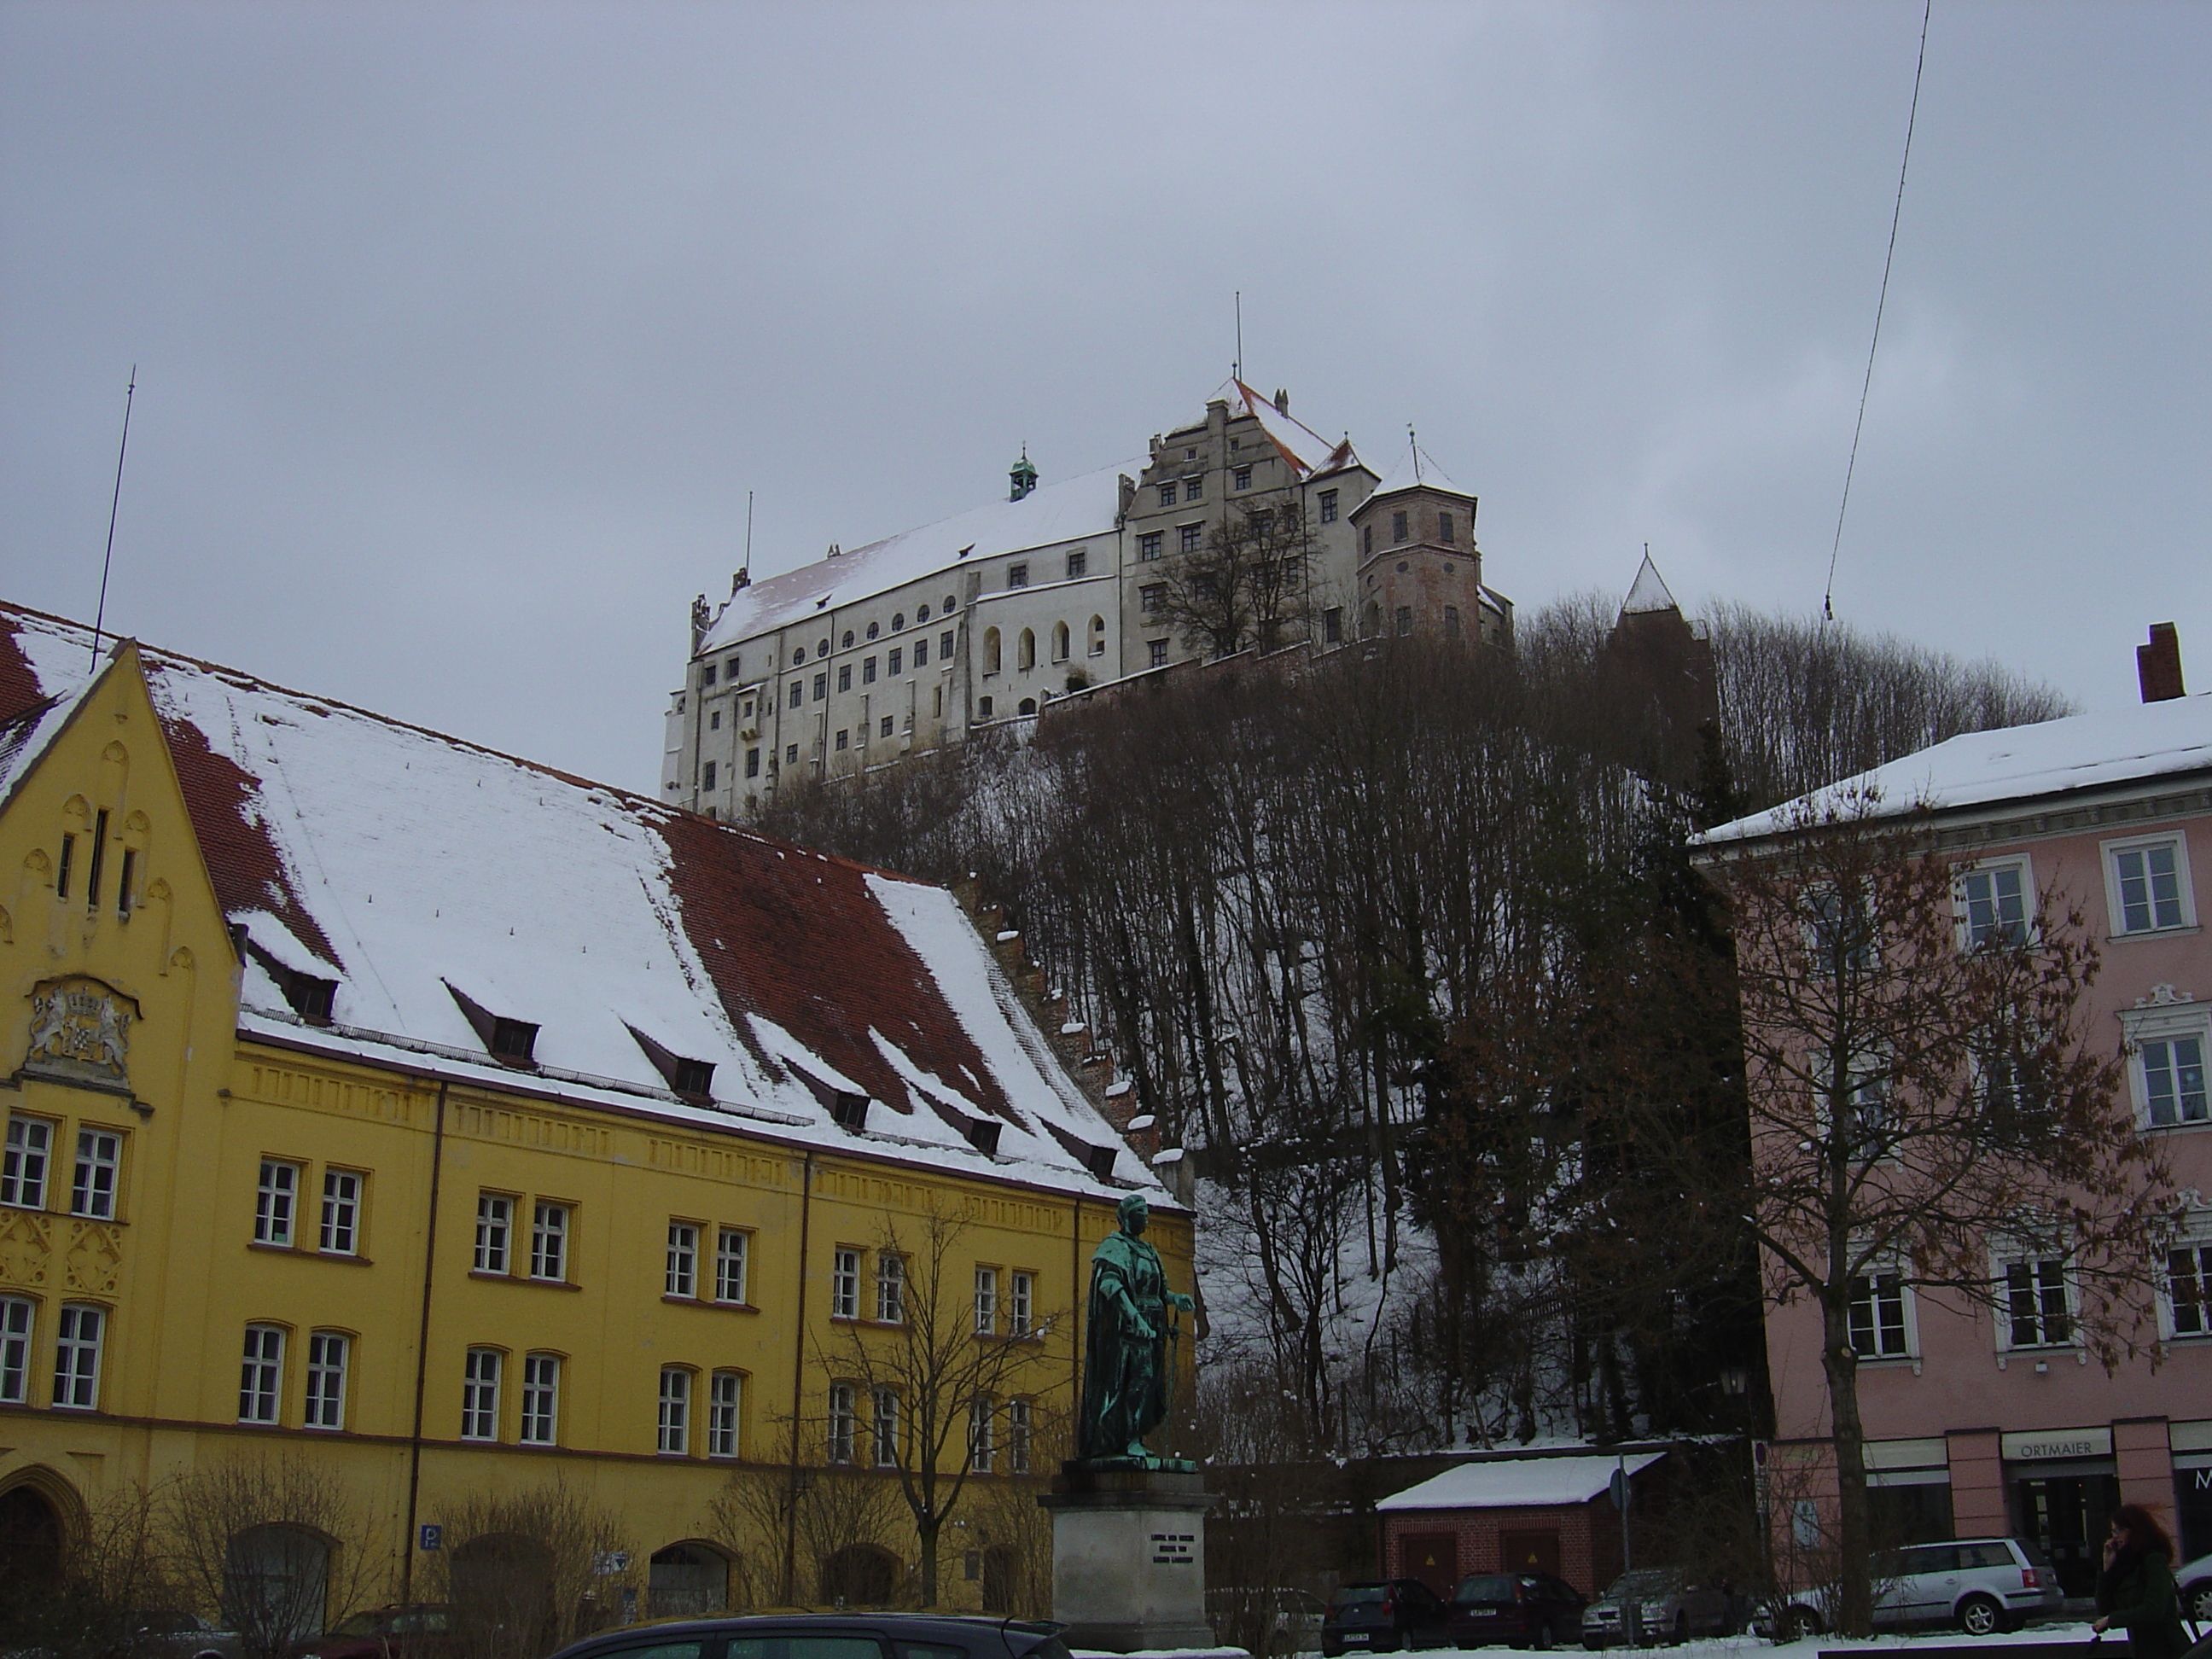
{"x":1128,"y":1360}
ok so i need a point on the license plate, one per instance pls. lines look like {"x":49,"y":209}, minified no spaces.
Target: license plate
{"x":1355,"y":1638}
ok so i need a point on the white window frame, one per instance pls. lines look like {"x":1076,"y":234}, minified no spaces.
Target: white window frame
{"x":18,"y":1329}
{"x":2035,"y":1258}
{"x":541,"y":1401}
{"x":339,"y":1233}
{"x":725,"y":1397}
{"x":2163,"y":1023}
{"x":548,"y":1241}
{"x":495,"y":1233}
{"x":844,"y":1283}
{"x":2017,"y":864}
{"x":329,"y":1354}
{"x":261,"y":1375}
{"x":276,"y":1202}
{"x":1021,"y":1303}
{"x":480,"y":1380}
{"x":986,"y":1301}
{"x":890,"y":1289}
{"x":99,"y":1165}
{"x":681,"y":1278}
{"x":883,"y":1428}
{"x":2109,"y":853}
{"x":1019,"y":1426}
{"x":2194,"y":1237}
{"x":675,"y":1411}
{"x":732,"y":1265}
{"x":844,"y":1423}
{"x":1908,"y":1322}
{"x":79,"y":1338}
{"x":29,"y":1161}
{"x":980,"y":1451}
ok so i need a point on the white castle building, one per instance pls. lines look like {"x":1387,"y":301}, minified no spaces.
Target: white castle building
{"x":982,"y":619}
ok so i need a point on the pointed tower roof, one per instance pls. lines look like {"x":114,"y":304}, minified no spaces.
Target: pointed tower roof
{"x":1649,"y":592}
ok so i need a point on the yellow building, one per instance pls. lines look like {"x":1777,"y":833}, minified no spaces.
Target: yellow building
{"x":422,"y":1141}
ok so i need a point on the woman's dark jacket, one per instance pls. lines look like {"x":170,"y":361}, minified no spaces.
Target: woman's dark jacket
{"x":2136,"y":1593}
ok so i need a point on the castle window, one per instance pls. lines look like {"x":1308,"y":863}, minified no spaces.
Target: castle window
{"x":791,"y":754}
{"x":1025,"y":655}
{"x":982,"y":709}
{"x":753,"y":763}
{"x":798,"y":655}
{"x":867,"y":671}
{"x":707,"y":775}
{"x":730,"y":669}
{"x":1328,"y":507}
{"x":725,"y":1390}
{"x":1158,"y":650}
{"x":1077,"y":561}
{"x":848,"y":640}
{"x":1241,"y":478}
{"x":921,"y":654}
{"x":845,"y":676}
{"x":1397,"y":527}
{"x":1059,"y":642}
{"x":1443,"y":527}
{"x":1188,"y":537}
{"x":1153,"y":596}
{"x":990,"y":651}
{"x":874,"y":629}
{"x":797,"y":693}
{"x":548,"y":1242}
{"x":843,"y":736}
{"x":541,"y":1399}
{"x":1167,"y":495}
{"x":1451,"y":620}
{"x":1148,"y":545}
{"x":890,"y":1289}
{"x":1193,"y":490}
{"x":1331,"y":623}
{"x":887,"y":725}
{"x":820,"y":687}
{"x":714,"y":721}
{"x":897,"y":662}
{"x":1098,"y":637}
{"x":1029,"y":706}
{"x":840,"y":1423}
{"x":822,"y":649}
{"x":341,"y":1225}
{"x":1366,"y":539}
{"x":706,"y":675}
{"x":944,"y":646}
{"x":898,"y":622}
{"x":922,"y":615}
{"x":1405,"y":619}
{"x":947,"y":606}
{"x":1018,"y":576}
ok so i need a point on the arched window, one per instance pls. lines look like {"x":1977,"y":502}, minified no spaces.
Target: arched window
{"x":275,"y":1582}
{"x":504,"y":1581}
{"x":687,"y":1581}
{"x":1028,"y":706}
{"x":1098,"y":637}
{"x":860,"y":1576}
{"x":1059,"y":642}
{"x":1027,"y":656}
{"x":990,"y":651}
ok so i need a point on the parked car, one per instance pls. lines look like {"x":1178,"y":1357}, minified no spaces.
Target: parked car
{"x":421,"y":1630}
{"x":169,"y":1633}
{"x":1983,"y":1585}
{"x":1271,"y":1622}
{"x":1384,"y":1615}
{"x":2194,"y":1580}
{"x":826,"y":1636}
{"x":1520,"y":1610}
{"x":1657,"y":1604}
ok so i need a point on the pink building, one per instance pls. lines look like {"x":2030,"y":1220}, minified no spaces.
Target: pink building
{"x":1981,"y":1423}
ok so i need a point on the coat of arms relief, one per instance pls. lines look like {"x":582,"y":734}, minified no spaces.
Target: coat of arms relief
{"x":80,"y":1031}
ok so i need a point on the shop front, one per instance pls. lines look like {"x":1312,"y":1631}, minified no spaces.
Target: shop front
{"x":2062,"y":1487}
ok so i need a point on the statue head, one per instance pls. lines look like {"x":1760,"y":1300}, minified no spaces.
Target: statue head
{"x":1135,"y":1212}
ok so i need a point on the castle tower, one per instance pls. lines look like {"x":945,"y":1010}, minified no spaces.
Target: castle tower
{"x":1420,"y":571}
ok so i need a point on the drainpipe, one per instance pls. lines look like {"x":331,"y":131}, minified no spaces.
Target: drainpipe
{"x":423,"y":1352}
{"x":1075,"y":1320}
{"x":798,"y":1389}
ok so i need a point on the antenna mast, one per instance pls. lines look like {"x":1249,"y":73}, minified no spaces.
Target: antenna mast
{"x":1236,"y":371}
{"x":749,"y":530}
{"x":99,"y":617}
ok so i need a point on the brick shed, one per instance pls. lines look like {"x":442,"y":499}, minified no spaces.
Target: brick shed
{"x":1551,"y":1514}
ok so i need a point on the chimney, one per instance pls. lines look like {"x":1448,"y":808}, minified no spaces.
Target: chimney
{"x":2158,"y":664}
{"x":742,"y":581}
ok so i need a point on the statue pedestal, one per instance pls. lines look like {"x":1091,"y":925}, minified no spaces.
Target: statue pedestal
{"x":1128,"y":1558}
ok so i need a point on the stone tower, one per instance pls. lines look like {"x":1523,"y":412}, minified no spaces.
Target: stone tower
{"x":1419,"y":570}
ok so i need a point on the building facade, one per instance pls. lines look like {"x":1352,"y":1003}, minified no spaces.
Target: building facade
{"x":980,"y":620}
{"x":474,"y":1132}
{"x":1986,"y":1421}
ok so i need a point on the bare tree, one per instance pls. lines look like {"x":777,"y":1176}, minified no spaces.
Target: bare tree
{"x":530,"y":1572}
{"x":801,"y":1515}
{"x":1250,"y":585}
{"x":275,"y":1543}
{"x":84,"y":1608}
{"x":1925,"y":1109}
{"x":926,"y":1374}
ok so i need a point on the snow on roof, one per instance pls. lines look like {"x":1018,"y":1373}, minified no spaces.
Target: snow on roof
{"x":1415,"y":470}
{"x":1516,"y":1483}
{"x":1074,"y":507}
{"x":1299,"y":443}
{"x":2109,"y":749}
{"x":1649,"y":592}
{"x":410,"y":867}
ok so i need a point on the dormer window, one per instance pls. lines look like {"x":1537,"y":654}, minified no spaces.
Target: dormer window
{"x":693,"y":1079}
{"x":983,"y":1135}
{"x":849,"y":1111}
{"x":1099,"y":1161}
{"x":510,"y":1042}
{"x":308,"y":997}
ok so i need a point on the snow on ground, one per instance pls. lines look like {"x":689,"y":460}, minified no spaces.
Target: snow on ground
{"x":1754,"y":1647}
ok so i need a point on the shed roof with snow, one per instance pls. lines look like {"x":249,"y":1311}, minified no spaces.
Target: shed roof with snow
{"x":1518,"y":1483}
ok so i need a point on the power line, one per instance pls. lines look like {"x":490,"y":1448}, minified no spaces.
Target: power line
{"x":1897,"y":213}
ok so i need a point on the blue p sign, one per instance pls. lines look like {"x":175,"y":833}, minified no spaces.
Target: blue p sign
{"x":434,"y":1537}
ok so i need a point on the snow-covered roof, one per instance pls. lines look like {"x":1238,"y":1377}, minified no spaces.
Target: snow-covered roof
{"x":1067,"y":511}
{"x":1648,"y":593}
{"x":1416,"y":469}
{"x":410,"y":866}
{"x":2111,"y":748}
{"x":1304,"y":448}
{"x":1516,"y":1483}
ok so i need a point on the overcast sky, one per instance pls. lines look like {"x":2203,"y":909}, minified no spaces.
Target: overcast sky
{"x":463,"y":329}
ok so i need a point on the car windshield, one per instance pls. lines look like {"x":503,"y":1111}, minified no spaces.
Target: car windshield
{"x":1353,"y":1596}
{"x":1644,"y":1581}
{"x":362,"y":1624}
{"x":1485,"y":1587}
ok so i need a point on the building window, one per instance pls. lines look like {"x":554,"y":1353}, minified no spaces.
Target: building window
{"x":23,"y":1174}
{"x":1148,"y":545}
{"x":1877,"y":1317}
{"x":1397,"y":527}
{"x":1452,"y":621}
{"x":1077,"y":562}
{"x":874,"y":629}
{"x":1193,"y":490}
{"x":1444,"y":527}
{"x":260,"y":1377}
{"x":986,"y":1301}
{"x":791,"y":754}
{"x":1992,"y":903}
{"x":820,"y":687}
{"x":1190,"y":537}
{"x":480,"y":1394}
{"x":1157,"y":649}
{"x":753,"y":763}
{"x":731,"y":1247}
{"x":1026,"y":651}
{"x":548,"y":1242}
{"x":1366,"y":539}
{"x":798,"y":693}
{"x":272,"y":1203}
{"x":707,"y":776}
{"x":1241,"y":478}
{"x":867,"y":671}
{"x":1152,"y":597}
{"x":921,"y":654}
{"x":730,"y":669}
{"x":714,"y":721}
{"x":725,"y":1394}
{"x":982,"y":709}
{"x":1331,"y":625}
{"x":2149,"y":890}
{"x":1018,"y":576}
{"x":845,"y":1283}
{"x":1060,"y":650}
{"x":844,"y":736}
{"x":898,"y":622}
{"x":495,"y":1221}
{"x":16,"y":1314}
{"x":890,"y":1289}
{"x":326,"y":1380}
{"x":845,"y":676}
{"x":896,"y":664}
{"x":2038,"y":1313}
{"x":886,"y":730}
{"x":341,"y":1221}
{"x":2173,"y":1080}
{"x":1328,"y":507}
{"x":1405,"y":621}
{"x":541,"y":1399}
{"x":1018,"y":1436}
{"x":2188,"y":1286}
{"x":76,"y":1356}
{"x":1021,"y":1291}
{"x":840,"y":1423}
{"x":683,"y":1272}
{"x":92,"y":1192}
{"x":675,"y":1411}
{"x":979,"y":1437}
{"x":944,"y":646}
{"x":1168,"y":494}
{"x":706,"y":675}
{"x":883,"y":1429}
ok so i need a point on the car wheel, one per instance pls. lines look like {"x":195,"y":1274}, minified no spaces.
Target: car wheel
{"x":1801,"y":1622}
{"x":1979,"y":1616}
{"x":2196,"y":1600}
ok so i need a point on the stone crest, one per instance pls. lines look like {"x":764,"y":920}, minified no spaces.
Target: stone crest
{"x":80,"y":1031}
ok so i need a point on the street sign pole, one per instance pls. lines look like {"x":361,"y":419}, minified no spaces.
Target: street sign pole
{"x":1632,"y":1614}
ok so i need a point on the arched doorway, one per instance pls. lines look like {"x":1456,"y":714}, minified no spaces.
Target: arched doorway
{"x":30,"y":1549}
{"x":860,"y":1576}
{"x":687,"y":1581}
{"x":502,"y":1588}
{"x":999,"y":1568}
{"x":275,"y":1585}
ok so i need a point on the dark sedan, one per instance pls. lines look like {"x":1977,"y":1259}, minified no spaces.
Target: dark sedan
{"x":826,"y":1636}
{"x":1384,"y":1616}
{"x":1520,"y":1610}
